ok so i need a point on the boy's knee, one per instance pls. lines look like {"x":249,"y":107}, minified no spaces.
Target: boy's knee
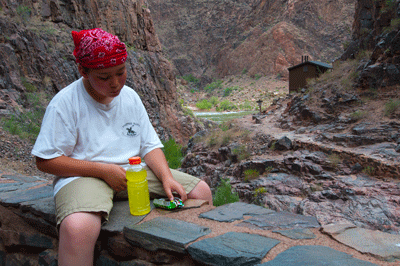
{"x":81,"y":226}
{"x":201,"y":191}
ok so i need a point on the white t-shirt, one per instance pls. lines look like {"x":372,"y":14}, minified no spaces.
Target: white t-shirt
{"x":77,"y":126}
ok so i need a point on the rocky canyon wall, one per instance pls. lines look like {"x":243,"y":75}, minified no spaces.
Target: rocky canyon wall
{"x":36,"y":54}
{"x":376,"y":30}
{"x":213,"y":39}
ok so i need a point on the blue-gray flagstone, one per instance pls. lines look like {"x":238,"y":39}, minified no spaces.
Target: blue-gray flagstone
{"x":36,"y":240}
{"x":40,"y":224}
{"x":120,"y":217}
{"x":164,"y":233}
{"x":14,"y":198}
{"x":44,"y":208}
{"x":232,"y":249}
{"x":283,"y":220}
{"x":22,"y":178}
{"x":297,"y":233}
{"x":11,"y":187}
{"x":315,"y":256}
{"x":234,"y":211}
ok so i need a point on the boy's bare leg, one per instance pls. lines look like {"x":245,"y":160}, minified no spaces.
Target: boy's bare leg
{"x":201,"y":191}
{"x":78,"y":236}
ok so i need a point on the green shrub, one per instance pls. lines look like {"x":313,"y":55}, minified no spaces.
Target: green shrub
{"x":268,"y":170}
{"x":259,"y":191}
{"x":369,"y":170}
{"x":246,"y":106}
{"x":213,"y":140}
{"x":257,"y":76}
{"x":214,"y":100}
{"x":334,"y":159}
{"x":391,"y":107}
{"x":28,"y":86}
{"x":213,"y":85}
{"x":272,"y":148}
{"x":26,"y":124}
{"x":187,"y":111}
{"x":204,"y":105}
{"x":346,"y":45}
{"x":173,"y":153}
{"x":226,"y":105}
{"x":389,"y":5}
{"x":225,"y":126}
{"x":226,"y":138}
{"x":190,"y":78}
{"x":24,"y":12}
{"x":224,"y":195}
{"x":251,"y":174}
{"x":241,"y":152}
{"x":227,"y":91}
{"x":395,"y":23}
{"x":358,"y":115}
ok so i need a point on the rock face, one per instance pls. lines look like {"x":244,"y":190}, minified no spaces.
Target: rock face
{"x":257,"y":37}
{"x":36,"y":54}
{"x":376,"y":28}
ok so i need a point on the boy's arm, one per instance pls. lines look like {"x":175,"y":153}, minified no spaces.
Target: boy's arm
{"x":64,"y":166}
{"x":156,"y":161}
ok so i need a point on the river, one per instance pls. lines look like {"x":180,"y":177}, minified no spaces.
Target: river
{"x":222,"y":116}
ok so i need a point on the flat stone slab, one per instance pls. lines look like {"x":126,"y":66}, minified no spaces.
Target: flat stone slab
{"x":315,"y":256}
{"x":44,"y":208}
{"x":234,"y":211}
{"x":22,"y":178}
{"x":16,"y":186}
{"x":120,"y":217}
{"x":297,"y":233}
{"x":232,"y":249}
{"x":164,"y":233}
{"x":280,"y":220}
{"x":14,"y":198}
{"x":379,"y":244}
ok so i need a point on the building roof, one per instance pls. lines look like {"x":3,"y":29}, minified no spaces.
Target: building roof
{"x":320,"y":64}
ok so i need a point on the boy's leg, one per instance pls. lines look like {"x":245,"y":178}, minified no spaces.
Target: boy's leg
{"x":78,"y":235}
{"x":81,"y":205}
{"x":194,"y":187}
{"x":201,"y":191}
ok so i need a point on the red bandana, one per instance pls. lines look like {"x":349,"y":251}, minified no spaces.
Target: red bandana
{"x":96,"y":48}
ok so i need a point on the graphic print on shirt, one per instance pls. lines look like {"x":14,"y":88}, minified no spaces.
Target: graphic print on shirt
{"x":131,"y":129}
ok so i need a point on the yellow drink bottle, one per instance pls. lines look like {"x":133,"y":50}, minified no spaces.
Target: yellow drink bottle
{"x":138,"y":190}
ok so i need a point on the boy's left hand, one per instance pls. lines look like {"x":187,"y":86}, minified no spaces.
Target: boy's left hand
{"x":171,"y":185}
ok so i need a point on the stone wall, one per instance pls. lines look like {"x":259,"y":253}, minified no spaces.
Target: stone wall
{"x":28,"y":235}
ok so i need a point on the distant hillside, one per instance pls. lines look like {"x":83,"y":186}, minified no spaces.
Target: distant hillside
{"x":259,"y":37}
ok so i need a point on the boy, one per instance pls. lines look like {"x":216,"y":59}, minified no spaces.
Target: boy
{"x":89,"y":131}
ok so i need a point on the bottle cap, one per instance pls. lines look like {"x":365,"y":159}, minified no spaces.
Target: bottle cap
{"x":135,"y":160}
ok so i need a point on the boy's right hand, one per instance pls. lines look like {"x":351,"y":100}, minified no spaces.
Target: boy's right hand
{"x":115,"y":176}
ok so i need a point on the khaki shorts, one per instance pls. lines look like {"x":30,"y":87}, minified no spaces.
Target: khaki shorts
{"x":89,"y":194}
